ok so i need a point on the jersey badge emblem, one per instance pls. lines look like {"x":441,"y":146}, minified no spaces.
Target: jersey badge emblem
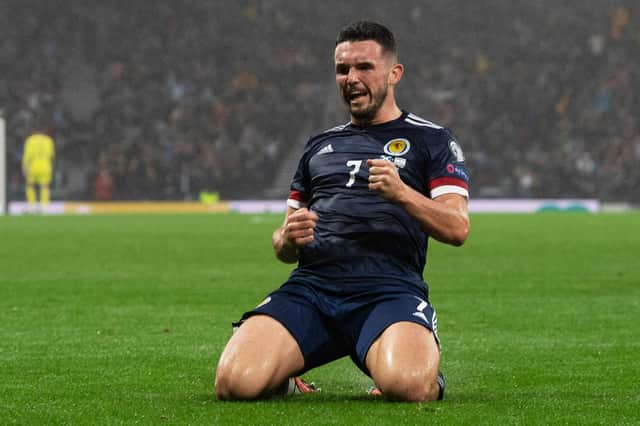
{"x":397,"y":147}
{"x":456,"y":151}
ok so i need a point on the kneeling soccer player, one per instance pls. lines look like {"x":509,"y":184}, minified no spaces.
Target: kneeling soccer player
{"x":364,"y":200}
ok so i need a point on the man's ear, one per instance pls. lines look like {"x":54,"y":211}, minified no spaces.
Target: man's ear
{"x":395,"y":74}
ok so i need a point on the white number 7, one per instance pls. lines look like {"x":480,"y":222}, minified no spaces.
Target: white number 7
{"x":352,"y":174}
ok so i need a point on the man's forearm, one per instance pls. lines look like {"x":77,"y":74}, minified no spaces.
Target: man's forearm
{"x":446,"y":220}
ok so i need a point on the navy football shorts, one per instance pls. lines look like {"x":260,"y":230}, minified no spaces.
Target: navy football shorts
{"x":329,"y":326}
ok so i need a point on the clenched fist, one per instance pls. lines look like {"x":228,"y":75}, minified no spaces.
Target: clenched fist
{"x":385,"y":179}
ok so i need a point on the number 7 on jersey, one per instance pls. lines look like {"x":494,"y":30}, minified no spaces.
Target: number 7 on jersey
{"x":354,"y":171}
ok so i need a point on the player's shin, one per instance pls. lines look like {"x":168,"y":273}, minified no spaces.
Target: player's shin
{"x":31,"y":195}
{"x":45,"y":195}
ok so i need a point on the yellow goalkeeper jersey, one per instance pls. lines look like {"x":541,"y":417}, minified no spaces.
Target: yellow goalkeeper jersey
{"x":38,"y":157}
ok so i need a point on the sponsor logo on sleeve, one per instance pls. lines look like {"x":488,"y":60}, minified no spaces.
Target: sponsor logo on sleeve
{"x":457,"y":170}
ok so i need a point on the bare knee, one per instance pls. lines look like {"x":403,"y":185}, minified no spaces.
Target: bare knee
{"x":405,"y":371}
{"x":409,"y":386}
{"x":257,"y":359}
{"x":237,"y":384}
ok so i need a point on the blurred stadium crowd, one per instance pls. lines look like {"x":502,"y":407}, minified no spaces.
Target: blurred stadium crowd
{"x":164,"y":99}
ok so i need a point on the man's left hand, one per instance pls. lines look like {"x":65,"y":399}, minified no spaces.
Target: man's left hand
{"x":385,"y":179}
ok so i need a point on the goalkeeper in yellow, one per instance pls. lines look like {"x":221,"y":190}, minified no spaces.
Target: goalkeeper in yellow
{"x":37,"y":167}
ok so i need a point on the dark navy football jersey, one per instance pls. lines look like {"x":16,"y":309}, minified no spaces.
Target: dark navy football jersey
{"x":359,"y":235}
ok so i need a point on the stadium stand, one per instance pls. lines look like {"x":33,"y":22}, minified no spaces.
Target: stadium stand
{"x":170,"y":99}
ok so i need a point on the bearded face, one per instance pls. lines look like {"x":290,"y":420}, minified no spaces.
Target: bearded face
{"x":362,"y":75}
{"x":363,"y":101}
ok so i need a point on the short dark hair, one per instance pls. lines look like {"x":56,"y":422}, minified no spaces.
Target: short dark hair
{"x":369,"y":30}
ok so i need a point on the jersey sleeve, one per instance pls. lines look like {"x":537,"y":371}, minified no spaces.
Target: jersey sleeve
{"x":448,"y":173}
{"x":299,"y":193}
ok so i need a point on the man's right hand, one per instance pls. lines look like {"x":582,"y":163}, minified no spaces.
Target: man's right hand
{"x":297,"y":231}
{"x":298,"y":227}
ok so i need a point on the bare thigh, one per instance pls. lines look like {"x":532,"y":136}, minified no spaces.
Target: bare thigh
{"x":404,"y":362}
{"x":258,"y":358}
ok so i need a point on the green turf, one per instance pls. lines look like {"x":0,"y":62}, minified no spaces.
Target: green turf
{"x":121,"y":319}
